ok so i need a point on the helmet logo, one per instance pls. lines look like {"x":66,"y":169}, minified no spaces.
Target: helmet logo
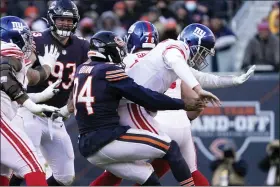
{"x":18,"y":26}
{"x":67,"y":14}
{"x":198,"y":32}
{"x":119,"y":41}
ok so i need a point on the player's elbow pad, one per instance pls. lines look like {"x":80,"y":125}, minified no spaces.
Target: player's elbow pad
{"x":9,"y":83}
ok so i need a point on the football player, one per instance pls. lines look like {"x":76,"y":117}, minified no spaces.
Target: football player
{"x":17,"y":151}
{"x":55,"y":142}
{"x":142,"y":37}
{"x":99,"y":85}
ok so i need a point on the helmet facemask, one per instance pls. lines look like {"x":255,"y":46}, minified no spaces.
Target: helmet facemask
{"x":62,"y":29}
{"x":198,"y":56}
{"x":28,"y":39}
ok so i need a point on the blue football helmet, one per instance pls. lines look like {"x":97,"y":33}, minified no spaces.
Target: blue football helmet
{"x":201,"y":42}
{"x":15,"y":30}
{"x":141,"y":35}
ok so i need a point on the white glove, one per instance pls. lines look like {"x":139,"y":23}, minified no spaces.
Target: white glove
{"x":36,"y":108}
{"x":244,"y":77}
{"x":45,"y":95}
{"x":49,"y":57}
{"x":62,"y":112}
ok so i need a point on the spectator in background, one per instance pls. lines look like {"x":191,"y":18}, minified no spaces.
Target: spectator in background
{"x":205,"y":20}
{"x":228,"y":171}
{"x":3,"y":8}
{"x":134,"y":10}
{"x":32,"y":18}
{"x":171,"y":30}
{"x":120,"y":10}
{"x":225,"y":39}
{"x":109,"y":21}
{"x":166,"y":13}
{"x":271,"y":163}
{"x":153,"y":17}
{"x":262,"y":49}
{"x":183,"y":17}
{"x":86,"y":28}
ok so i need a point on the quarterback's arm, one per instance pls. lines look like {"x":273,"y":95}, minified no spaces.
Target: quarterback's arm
{"x":208,"y":80}
{"x":186,"y":93}
{"x":175,"y":60}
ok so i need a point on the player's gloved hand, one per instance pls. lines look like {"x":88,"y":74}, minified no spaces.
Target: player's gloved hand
{"x":208,"y":97}
{"x":50,"y":56}
{"x":36,"y":108}
{"x":51,"y":90}
{"x":62,"y":112}
{"x":244,"y":77}
{"x":45,"y":95}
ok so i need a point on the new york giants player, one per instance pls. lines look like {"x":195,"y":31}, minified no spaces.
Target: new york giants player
{"x":99,"y":85}
{"x":17,"y":150}
{"x":55,"y":143}
{"x":138,"y":35}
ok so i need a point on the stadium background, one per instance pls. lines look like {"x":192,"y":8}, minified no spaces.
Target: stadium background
{"x":235,"y":23}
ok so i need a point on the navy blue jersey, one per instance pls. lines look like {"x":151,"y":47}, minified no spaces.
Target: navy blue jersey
{"x":71,"y":56}
{"x":98,"y":88}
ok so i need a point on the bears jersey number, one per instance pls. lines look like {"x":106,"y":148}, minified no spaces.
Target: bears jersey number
{"x":84,"y":95}
{"x":58,"y":73}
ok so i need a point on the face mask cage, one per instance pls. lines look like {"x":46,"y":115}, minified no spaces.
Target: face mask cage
{"x":27,"y":48}
{"x":198,"y":56}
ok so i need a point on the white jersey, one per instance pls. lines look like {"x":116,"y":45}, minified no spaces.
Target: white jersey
{"x":8,"y":107}
{"x":158,"y":68}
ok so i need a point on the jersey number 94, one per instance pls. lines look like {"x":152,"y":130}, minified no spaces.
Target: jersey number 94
{"x":84,"y":95}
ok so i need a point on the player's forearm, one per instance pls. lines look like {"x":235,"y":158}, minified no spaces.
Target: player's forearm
{"x":148,"y":98}
{"x":70,"y":103}
{"x":38,"y":75}
{"x":207,"y":80}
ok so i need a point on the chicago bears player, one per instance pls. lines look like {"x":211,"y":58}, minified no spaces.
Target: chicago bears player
{"x":99,"y":85}
{"x":17,"y":150}
{"x":63,"y":18}
{"x":138,"y":35}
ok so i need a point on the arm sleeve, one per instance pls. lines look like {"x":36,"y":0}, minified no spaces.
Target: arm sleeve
{"x":126,"y":87}
{"x":207,"y":80}
{"x":174,"y":58}
{"x":9,"y":83}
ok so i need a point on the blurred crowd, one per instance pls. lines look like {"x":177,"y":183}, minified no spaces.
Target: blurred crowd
{"x":170,"y":17}
{"x":263,"y":48}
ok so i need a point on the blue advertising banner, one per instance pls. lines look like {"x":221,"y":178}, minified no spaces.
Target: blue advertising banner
{"x":248,"y":118}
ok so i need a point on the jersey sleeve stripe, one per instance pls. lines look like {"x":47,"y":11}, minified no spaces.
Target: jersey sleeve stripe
{"x":12,"y":52}
{"x":115,"y":75}
{"x":174,"y":47}
{"x":117,"y":79}
{"x":114,"y":72}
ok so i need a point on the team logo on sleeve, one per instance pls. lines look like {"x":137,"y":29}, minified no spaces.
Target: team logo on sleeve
{"x":238,"y":123}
